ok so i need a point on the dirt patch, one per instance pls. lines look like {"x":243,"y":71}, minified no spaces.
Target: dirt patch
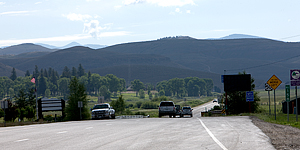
{"x":283,"y":137}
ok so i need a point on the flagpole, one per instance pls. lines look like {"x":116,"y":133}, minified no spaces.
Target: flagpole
{"x":36,"y":103}
{"x":36,"y":100}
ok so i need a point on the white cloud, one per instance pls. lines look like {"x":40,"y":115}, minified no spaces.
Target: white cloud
{"x":117,"y":7}
{"x":2,"y":3}
{"x":131,"y":2}
{"x":163,"y":3}
{"x":111,"y":34}
{"x":188,"y":11}
{"x":94,"y":29}
{"x":38,"y":3}
{"x":177,"y":10}
{"x":15,"y":12}
{"x":77,"y":17}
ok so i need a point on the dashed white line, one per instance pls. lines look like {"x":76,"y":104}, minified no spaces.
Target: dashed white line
{"x":62,"y":132}
{"x":212,"y":136}
{"x":22,"y":140}
{"x":89,"y":128}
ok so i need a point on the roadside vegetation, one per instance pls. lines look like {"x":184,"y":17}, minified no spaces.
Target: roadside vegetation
{"x":75,"y":85}
{"x":281,"y":118}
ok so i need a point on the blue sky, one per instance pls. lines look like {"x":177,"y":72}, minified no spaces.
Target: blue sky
{"x":109,"y":22}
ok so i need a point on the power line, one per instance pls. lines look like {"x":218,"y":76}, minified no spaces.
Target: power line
{"x":290,"y":37}
{"x":263,"y":64}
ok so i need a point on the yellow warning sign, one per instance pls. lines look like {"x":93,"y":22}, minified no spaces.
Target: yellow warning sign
{"x":274,"y":82}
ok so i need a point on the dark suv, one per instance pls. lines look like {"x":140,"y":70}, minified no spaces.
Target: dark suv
{"x":167,"y":108}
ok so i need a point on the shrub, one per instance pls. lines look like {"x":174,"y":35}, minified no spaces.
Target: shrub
{"x":140,"y":113}
{"x":138,"y":104}
{"x":149,"y":105}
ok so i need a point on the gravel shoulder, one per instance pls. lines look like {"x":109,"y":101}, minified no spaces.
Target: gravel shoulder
{"x":283,"y":137}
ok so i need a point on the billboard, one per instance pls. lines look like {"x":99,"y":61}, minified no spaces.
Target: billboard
{"x":237,"y":82}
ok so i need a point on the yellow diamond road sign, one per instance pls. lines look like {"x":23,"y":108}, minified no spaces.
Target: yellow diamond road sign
{"x":274,"y":82}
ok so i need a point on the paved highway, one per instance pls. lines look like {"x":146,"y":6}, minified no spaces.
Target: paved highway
{"x":215,"y":133}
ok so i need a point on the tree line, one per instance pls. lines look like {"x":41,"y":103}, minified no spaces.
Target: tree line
{"x":50,"y":84}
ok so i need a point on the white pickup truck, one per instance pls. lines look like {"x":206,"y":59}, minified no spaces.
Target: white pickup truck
{"x":103,"y":110}
{"x":167,"y":108}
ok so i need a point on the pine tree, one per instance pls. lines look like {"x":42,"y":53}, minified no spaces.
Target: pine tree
{"x":42,"y":84}
{"x":66,"y":73}
{"x":36,"y":72}
{"x":27,"y":73}
{"x":74,"y":72}
{"x":13,"y":74}
{"x":80,"y":71}
{"x":77,"y":93}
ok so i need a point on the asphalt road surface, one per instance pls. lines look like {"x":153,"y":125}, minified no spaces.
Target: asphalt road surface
{"x":213,"y":133}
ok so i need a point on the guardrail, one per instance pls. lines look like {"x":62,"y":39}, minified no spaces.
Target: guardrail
{"x":131,"y":116}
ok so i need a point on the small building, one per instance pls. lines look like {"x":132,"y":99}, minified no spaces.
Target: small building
{"x":292,"y":106}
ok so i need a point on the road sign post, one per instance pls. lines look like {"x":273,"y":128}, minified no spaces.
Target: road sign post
{"x":80,"y":105}
{"x":268,"y":88}
{"x":295,"y":81}
{"x":274,"y":82}
{"x":287,"y":99}
{"x":4,"y":105}
{"x":249,"y":98}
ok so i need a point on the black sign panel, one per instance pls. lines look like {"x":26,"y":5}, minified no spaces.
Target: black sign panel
{"x":237,"y":83}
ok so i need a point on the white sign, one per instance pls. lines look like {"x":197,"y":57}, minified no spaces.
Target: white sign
{"x":101,"y":99}
{"x":4,"y":104}
{"x":80,"y":105}
{"x":268,"y":87}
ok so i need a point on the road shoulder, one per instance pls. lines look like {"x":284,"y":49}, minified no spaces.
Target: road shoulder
{"x":282,"y":136}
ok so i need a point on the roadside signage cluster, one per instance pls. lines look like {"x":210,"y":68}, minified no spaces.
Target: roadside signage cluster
{"x":268,"y":87}
{"x":249,"y":96}
{"x":295,"y":77}
{"x":287,"y":93}
{"x":295,"y":81}
{"x":274,"y":82}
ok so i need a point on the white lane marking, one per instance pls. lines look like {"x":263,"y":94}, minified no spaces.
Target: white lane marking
{"x":89,"y":128}
{"x":22,"y":140}
{"x":62,"y":132}
{"x":212,"y":136}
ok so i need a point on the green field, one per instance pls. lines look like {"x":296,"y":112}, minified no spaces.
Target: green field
{"x":281,"y":118}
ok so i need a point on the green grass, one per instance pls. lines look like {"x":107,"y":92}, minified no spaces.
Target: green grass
{"x":281,"y":118}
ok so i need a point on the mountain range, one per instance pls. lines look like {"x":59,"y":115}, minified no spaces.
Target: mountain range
{"x":166,"y":58}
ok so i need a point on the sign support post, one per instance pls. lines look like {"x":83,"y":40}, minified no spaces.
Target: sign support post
{"x":269,"y":103}
{"x":268,"y":88}
{"x":249,"y":98}
{"x":287,"y":99}
{"x":274,"y":105}
{"x":80,"y":106}
{"x":274,"y":82}
{"x":296,"y":104}
{"x":295,"y":81}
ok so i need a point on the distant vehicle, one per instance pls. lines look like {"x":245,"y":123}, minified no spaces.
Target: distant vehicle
{"x":103,"y":110}
{"x":178,"y":110}
{"x":215,"y":100}
{"x":167,"y":108}
{"x":187,"y":110}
